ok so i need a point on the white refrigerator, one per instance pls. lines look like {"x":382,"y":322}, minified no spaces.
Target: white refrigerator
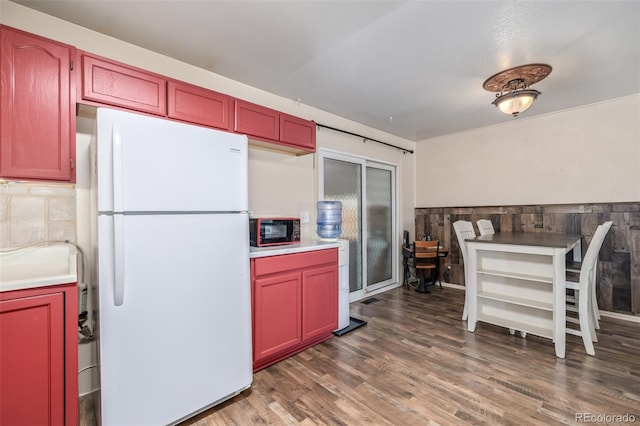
{"x":174,"y":300}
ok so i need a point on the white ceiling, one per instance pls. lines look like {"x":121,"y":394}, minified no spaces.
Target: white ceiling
{"x":411,"y":68}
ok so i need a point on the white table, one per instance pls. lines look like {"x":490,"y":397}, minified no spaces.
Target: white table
{"x":516,"y":280}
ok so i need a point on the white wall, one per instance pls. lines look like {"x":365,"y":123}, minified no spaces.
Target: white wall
{"x":581,"y":155}
{"x":282,"y":184}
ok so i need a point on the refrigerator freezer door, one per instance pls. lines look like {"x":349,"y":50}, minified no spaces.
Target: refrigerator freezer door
{"x":146,"y":164}
{"x":181,"y":339}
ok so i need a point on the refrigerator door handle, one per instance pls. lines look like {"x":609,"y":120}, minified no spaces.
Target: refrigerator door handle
{"x":118,"y":170}
{"x":118,"y":259}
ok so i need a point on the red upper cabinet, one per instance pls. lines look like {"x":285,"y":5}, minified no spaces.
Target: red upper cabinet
{"x":37,"y":107}
{"x":256,"y":120}
{"x":298,"y":132}
{"x":109,"y":82}
{"x":197,"y":105}
{"x":283,"y":132}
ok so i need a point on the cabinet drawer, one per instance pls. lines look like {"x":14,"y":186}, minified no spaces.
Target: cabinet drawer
{"x":286,"y":262}
{"x":198,"y":105}
{"x":117,"y":84}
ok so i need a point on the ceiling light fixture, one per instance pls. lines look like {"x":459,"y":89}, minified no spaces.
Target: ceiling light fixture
{"x":512,"y":86}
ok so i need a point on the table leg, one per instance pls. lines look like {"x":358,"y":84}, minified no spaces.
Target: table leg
{"x":405,"y":271}
{"x":471,"y":288}
{"x":559,"y":303}
{"x":438,"y":272}
{"x":422,"y":288}
{"x":406,"y":257}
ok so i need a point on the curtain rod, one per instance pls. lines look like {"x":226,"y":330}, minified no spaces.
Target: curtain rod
{"x":364,"y":138}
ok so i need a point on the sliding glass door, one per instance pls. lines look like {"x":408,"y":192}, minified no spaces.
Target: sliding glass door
{"x":367,"y":192}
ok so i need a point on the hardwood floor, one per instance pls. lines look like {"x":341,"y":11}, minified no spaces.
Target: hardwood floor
{"x":415,"y":363}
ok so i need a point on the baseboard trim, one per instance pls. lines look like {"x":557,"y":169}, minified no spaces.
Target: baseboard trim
{"x":86,"y":394}
{"x":618,"y":315}
{"x":456,"y":286}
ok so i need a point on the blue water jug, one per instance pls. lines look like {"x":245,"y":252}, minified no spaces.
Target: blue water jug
{"x":329,"y":219}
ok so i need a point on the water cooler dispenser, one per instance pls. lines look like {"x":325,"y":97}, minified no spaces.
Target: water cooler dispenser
{"x":329,"y":223}
{"x":329,"y":228}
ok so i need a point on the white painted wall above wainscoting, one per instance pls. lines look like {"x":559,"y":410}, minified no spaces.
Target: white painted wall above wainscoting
{"x":582,"y":155}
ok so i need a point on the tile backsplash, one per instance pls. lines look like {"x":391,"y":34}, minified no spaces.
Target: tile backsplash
{"x":35,"y":212}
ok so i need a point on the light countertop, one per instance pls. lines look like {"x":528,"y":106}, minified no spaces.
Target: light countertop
{"x":38,"y":267}
{"x":302,"y":246}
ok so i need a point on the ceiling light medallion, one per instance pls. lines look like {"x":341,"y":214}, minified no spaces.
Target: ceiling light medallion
{"x":512,"y":86}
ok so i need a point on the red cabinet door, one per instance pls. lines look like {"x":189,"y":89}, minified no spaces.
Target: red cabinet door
{"x":256,"y":120}
{"x":39,"y":356}
{"x":32,"y":388}
{"x":197,"y":105}
{"x":112,"y":83}
{"x":298,"y":132}
{"x":277,"y":314}
{"x":319,"y":301}
{"x":37,"y":116}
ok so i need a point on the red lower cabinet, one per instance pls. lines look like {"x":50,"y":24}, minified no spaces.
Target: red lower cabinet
{"x":39,"y":356}
{"x":295,"y":303}
{"x":319,"y":302}
{"x":277,"y":313}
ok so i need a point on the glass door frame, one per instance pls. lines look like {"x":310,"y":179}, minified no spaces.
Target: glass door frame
{"x":364,"y":163}
{"x":394,"y":227}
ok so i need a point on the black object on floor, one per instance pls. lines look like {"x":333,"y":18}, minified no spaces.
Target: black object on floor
{"x":353,"y":324}
{"x":370,"y":301}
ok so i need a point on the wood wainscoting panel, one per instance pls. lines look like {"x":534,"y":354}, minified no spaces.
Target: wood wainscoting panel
{"x":618,"y":280}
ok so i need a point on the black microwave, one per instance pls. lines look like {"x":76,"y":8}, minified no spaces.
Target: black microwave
{"x":273,"y":231}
